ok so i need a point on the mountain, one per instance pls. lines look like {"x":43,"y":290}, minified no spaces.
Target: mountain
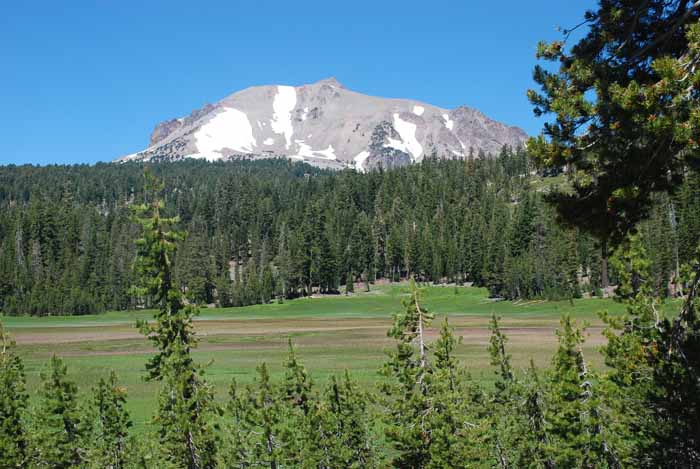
{"x":326,"y":125}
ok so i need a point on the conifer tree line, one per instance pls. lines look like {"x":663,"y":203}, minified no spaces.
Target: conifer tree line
{"x":265,"y":230}
{"x":426,"y":412}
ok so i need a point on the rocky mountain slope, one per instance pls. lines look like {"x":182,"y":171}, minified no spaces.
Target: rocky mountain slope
{"x":326,"y":125}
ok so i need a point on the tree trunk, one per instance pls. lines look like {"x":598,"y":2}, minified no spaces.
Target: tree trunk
{"x":604,"y":279}
{"x":421,"y":339}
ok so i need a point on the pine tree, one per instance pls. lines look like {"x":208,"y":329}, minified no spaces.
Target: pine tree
{"x":111,"y":445}
{"x":408,"y":394}
{"x":297,"y":382}
{"x":654,"y":368}
{"x":258,"y":435}
{"x":515,"y":433}
{"x":344,"y":427}
{"x":500,"y":359}
{"x":454,"y":424}
{"x":623,"y":99}
{"x":59,"y":436}
{"x":577,"y":433}
{"x":240,"y":217}
{"x":185,"y":407}
{"x":533,"y":434}
{"x":14,"y":440}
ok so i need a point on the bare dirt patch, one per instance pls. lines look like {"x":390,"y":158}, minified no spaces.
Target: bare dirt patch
{"x":231,"y":334}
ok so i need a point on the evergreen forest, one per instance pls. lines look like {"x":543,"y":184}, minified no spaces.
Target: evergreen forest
{"x":261,"y":231}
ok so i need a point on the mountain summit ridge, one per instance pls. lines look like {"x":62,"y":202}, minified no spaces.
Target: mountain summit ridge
{"x":327,"y":125}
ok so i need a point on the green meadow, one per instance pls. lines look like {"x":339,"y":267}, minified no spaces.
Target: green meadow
{"x":332,"y":334}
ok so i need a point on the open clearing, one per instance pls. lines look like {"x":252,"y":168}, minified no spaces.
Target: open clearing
{"x":332,"y":333}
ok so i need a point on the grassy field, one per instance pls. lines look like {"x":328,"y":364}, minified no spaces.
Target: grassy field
{"x":332,"y":334}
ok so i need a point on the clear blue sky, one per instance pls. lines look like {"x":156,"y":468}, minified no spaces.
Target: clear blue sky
{"x":86,"y":81}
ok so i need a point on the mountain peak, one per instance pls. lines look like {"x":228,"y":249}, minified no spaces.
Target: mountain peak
{"x":332,"y":81}
{"x":323,"y":126}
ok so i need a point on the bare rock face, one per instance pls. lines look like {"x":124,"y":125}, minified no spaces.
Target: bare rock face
{"x":326,"y":125}
{"x":166,"y":128}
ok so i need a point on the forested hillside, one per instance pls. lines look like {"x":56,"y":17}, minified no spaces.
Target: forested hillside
{"x":260,"y":230}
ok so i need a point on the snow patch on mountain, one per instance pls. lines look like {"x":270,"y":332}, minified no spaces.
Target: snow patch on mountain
{"x":328,"y":153}
{"x":449,"y":123}
{"x":418,"y":110}
{"x":407,"y":131}
{"x":360,"y":161}
{"x":283,"y":105}
{"x":305,"y":151}
{"x":230,"y":129}
{"x":269,"y":141}
{"x":396,"y":144}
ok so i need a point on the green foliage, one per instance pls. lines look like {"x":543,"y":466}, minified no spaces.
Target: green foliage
{"x":343,"y":423}
{"x":290,"y":425}
{"x":258,"y":427}
{"x":297,"y":383}
{"x":654,"y":362}
{"x":426,"y":401}
{"x":500,"y":359}
{"x":350,"y":283}
{"x":514,"y":412}
{"x":263,"y":229}
{"x":624,"y":100}
{"x":577,"y":431}
{"x":172,"y":334}
{"x":110,"y":432}
{"x":14,"y":442}
{"x":633,"y":267}
{"x":408,"y":393}
{"x":186,"y":411}
{"x":60,"y":431}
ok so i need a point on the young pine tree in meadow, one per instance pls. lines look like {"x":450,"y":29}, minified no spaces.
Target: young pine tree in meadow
{"x":14,"y":440}
{"x":533,"y":433}
{"x":408,"y":389}
{"x":237,"y":451}
{"x":60,"y":432}
{"x":111,"y":445}
{"x":297,"y":382}
{"x":344,"y":426}
{"x":257,"y":433}
{"x":515,"y":435}
{"x":577,"y":423}
{"x":501,"y":360}
{"x":430,"y":422}
{"x":327,"y":431}
{"x":504,"y":426}
{"x":299,"y":402}
{"x":186,"y":415}
{"x":453,"y":415}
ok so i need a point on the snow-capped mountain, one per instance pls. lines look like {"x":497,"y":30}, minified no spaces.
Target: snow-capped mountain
{"x":326,"y":125}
